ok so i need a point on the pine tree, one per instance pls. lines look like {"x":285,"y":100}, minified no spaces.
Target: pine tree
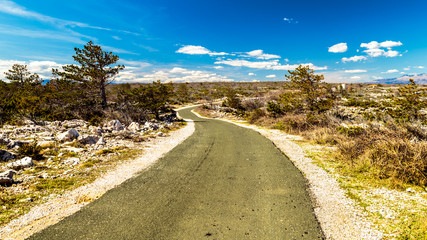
{"x":94,"y":68}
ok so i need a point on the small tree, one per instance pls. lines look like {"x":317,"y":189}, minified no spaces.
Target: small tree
{"x":410,"y":102}
{"x":94,"y":68}
{"x":304,"y":79}
{"x":20,"y":75}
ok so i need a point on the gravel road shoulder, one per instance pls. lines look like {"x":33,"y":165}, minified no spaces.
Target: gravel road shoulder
{"x":58,"y":208}
{"x":338,"y":215}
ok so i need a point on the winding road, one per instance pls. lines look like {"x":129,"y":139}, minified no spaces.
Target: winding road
{"x":223,"y":182}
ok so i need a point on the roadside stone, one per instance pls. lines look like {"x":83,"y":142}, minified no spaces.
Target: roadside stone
{"x":7,"y":177}
{"x":46,"y":144}
{"x":115,"y":125}
{"x":5,"y":155}
{"x":101,"y":141}
{"x":21,"y":164}
{"x":96,"y":130}
{"x":69,"y":135}
{"x":14,"y":144}
{"x":4,"y":140}
{"x":134,"y":127}
{"x":160,"y":134}
{"x":88,"y":139}
{"x":72,"y":161}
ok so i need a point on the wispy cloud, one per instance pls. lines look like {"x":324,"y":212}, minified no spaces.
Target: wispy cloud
{"x":68,"y":36}
{"x":259,"y":54}
{"x":10,"y":7}
{"x":353,"y":59}
{"x":391,"y":71}
{"x":355,"y":71}
{"x":271,"y":76}
{"x":289,"y":20}
{"x":270,"y":65}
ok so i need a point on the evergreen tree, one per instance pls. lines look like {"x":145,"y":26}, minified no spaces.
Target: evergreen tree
{"x":94,"y":68}
{"x":21,"y":76}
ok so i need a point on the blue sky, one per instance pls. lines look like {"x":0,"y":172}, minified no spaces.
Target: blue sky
{"x":189,"y":40}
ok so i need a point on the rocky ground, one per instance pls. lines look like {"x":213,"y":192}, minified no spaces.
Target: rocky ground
{"x":40,"y":160}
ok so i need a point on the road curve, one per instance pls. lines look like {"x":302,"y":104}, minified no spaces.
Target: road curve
{"x":223,"y":182}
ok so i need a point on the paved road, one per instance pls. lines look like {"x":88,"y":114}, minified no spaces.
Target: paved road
{"x":223,"y":182}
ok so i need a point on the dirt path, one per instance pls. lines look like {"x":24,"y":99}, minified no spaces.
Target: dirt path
{"x":223,"y":182}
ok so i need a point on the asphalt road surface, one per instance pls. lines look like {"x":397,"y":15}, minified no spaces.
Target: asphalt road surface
{"x":223,"y":182}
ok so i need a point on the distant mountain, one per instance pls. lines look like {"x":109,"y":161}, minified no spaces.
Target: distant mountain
{"x":419,"y":79}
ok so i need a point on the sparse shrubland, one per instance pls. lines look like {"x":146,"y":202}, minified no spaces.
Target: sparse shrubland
{"x":383,"y":129}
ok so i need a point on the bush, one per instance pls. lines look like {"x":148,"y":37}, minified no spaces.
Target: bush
{"x":255,"y":115}
{"x":31,"y":150}
{"x":402,"y":160}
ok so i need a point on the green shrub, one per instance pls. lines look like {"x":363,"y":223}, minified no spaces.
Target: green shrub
{"x":31,"y":150}
{"x":255,"y":115}
{"x":351,"y":131}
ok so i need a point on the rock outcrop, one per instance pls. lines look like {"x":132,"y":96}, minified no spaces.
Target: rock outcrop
{"x":6,"y":178}
{"x":69,"y":135}
{"x":21,"y":164}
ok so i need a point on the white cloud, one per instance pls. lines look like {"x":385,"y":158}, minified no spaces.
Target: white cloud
{"x":419,"y":67}
{"x":259,"y":54}
{"x":338,"y":48}
{"x":218,"y":67}
{"x":176,"y":74}
{"x":42,"y":68}
{"x":374,"y":48}
{"x":271,"y":76}
{"x":116,"y":37}
{"x":377,"y":78}
{"x":391,"y":71}
{"x":355,"y":77}
{"x":390,"y":44}
{"x":353,"y":59}
{"x":355,"y":71}
{"x":198,"y":50}
{"x":407,"y":69}
{"x":374,"y":52}
{"x":251,"y":74}
{"x":245,"y":63}
{"x":293,"y":66}
{"x":272,"y":64}
{"x":371,"y":45}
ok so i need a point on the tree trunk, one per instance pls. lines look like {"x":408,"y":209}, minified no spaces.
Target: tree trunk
{"x":103,"y":96}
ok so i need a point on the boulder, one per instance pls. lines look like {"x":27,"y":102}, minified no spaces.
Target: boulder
{"x":88,"y":139}
{"x":151,"y":126}
{"x":5,"y":155}
{"x":17,"y":143}
{"x":21,"y":164}
{"x":72,"y":161}
{"x":4,"y":140}
{"x":115,"y":125}
{"x":7,"y":177}
{"x":101,"y":141}
{"x":69,"y":135}
{"x":96,"y":130}
{"x":46,"y":144}
{"x":134,"y":127}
